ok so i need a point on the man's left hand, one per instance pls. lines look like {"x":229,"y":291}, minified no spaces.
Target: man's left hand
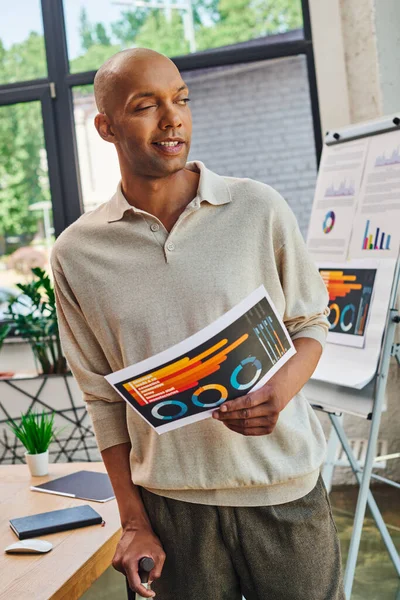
{"x":256,"y":413}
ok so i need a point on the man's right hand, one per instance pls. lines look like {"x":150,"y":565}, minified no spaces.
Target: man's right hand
{"x":134,"y":545}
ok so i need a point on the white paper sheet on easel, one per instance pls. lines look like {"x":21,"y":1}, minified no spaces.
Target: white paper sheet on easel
{"x":355,"y":367}
{"x":376,"y":230}
{"x":339,"y":399}
{"x":335,"y":200}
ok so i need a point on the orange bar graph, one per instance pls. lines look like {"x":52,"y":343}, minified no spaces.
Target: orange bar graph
{"x":198,"y":373}
{"x":338,"y":284}
{"x":279,"y":342}
{"x":182,"y":374}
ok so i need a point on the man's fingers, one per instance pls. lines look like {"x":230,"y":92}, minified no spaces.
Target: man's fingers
{"x":135,"y":584}
{"x":246,"y":402}
{"x":117,"y":562}
{"x":158,"y":567}
{"x":260,"y":411}
{"x":141,"y":590}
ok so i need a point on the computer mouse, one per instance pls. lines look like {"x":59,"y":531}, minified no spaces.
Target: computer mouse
{"x":29,"y":547}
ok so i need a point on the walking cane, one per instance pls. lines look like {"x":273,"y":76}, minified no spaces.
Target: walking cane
{"x":146,"y":564}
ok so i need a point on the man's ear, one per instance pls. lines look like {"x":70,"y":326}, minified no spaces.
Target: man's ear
{"x":104,"y":128}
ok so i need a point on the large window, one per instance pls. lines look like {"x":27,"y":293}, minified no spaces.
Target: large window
{"x":53,"y":164}
{"x":96,"y":29}
{"x":22,"y":52}
{"x":26,"y":229}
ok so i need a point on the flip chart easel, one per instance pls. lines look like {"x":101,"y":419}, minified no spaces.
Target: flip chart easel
{"x":367,"y":402}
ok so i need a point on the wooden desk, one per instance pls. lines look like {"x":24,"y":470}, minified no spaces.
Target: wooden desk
{"x":78,"y":556}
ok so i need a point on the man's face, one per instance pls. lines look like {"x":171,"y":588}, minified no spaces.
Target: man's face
{"x":152,"y":122}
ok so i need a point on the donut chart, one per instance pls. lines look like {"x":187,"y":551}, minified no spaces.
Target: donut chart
{"x":155,"y":410}
{"x":212,"y":386}
{"x":245,"y":386}
{"x":349,"y":325}
{"x":329,"y":221}
{"x":334,"y":308}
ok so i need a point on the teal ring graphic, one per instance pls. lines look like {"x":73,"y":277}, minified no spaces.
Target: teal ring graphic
{"x":156,"y":414}
{"x":250,"y":360}
{"x":347,"y":327}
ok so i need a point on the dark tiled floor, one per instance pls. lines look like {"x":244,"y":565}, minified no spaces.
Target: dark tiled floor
{"x":375,"y":578}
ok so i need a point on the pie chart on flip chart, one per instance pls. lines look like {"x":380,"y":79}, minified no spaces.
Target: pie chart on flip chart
{"x":329,"y":221}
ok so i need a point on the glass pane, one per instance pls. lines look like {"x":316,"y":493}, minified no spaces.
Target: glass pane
{"x":254,"y":120}
{"x":22,"y":50}
{"x":26,"y":231}
{"x":99,"y":168}
{"x":96,"y":29}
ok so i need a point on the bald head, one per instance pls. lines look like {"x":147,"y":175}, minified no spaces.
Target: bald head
{"x":142,"y":102}
{"x":116,"y":77}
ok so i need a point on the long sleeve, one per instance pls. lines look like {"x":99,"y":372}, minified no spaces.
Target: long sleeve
{"x":305,"y":293}
{"x":89,"y":365}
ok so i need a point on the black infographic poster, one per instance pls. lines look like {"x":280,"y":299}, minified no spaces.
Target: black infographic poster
{"x":350,"y":295}
{"x":237,"y":353}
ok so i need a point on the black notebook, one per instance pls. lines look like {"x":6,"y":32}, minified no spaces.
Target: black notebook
{"x":54,"y":521}
{"x":86,"y":485}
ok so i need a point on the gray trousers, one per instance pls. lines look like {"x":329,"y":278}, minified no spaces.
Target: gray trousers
{"x":283,"y":552}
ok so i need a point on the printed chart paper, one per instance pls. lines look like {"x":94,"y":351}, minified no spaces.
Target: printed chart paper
{"x":350,"y":296}
{"x":335,"y":200}
{"x":237,"y":353}
{"x":376,"y":231}
{"x":356,"y":367}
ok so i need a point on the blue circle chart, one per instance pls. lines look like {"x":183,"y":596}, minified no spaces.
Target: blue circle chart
{"x":212,"y":386}
{"x":346,"y":309}
{"x":156,"y":409}
{"x":252,"y":360}
{"x":329,"y":221}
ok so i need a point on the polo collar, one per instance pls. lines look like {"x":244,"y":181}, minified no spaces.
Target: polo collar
{"x":212,"y":189}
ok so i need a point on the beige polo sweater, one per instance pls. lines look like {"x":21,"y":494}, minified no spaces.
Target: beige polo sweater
{"x":127,"y":289}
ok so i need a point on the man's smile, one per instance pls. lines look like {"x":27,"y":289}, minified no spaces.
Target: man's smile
{"x":170,"y":146}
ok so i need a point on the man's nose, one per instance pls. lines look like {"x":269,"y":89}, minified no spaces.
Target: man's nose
{"x":170,"y":118}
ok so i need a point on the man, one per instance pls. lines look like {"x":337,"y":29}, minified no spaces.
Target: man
{"x":233,"y":504}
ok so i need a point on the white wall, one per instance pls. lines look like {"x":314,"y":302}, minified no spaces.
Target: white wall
{"x":255,"y":121}
{"x":387,"y":25}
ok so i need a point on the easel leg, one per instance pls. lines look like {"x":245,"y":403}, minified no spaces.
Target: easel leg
{"x":365,"y":496}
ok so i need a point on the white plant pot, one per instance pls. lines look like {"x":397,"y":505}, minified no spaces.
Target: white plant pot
{"x":38,"y":463}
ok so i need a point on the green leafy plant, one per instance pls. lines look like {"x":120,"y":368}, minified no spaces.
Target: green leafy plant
{"x":4,"y":331}
{"x":36,"y":432}
{"x":38,"y":322}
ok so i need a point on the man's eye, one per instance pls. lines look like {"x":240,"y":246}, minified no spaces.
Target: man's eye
{"x":183,"y":101}
{"x":144,"y":107}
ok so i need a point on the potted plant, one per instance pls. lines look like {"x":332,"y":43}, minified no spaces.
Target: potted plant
{"x":35,"y":432}
{"x":33,"y":317}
